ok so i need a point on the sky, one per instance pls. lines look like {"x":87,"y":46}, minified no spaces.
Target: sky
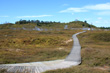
{"x":96,"y":12}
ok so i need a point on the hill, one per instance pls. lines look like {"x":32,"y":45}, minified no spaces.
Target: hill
{"x":43,"y":25}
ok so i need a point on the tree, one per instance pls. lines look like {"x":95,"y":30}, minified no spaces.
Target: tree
{"x":38,"y":24}
{"x":17,"y":22}
{"x":28,"y":21}
{"x":37,"y":21}
{"x":42,"y":22}
{"x":85,"y":21}
{"x":83,"y":25}
{"x":89,"y":26}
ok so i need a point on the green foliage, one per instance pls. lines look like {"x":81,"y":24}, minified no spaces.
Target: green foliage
{"x":104,"y":27}
{"x":30,"y":24}
{"x":38,"y":22}
{"x":80,"y":24}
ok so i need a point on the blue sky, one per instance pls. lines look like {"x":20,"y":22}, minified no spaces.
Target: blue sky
{"x":96,"y":12}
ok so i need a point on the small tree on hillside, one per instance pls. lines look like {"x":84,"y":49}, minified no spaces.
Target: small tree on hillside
{"x":85,"y":21}
{"x":83,"y":25}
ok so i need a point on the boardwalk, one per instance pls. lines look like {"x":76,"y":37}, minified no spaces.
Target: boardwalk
{"x":73,"y":59}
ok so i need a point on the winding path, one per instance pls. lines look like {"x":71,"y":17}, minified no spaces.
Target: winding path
{"x":73,"y":59}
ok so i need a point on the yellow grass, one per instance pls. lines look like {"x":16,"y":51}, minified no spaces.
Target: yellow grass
{"x":95,"y":54}
{"x":19,"y":46}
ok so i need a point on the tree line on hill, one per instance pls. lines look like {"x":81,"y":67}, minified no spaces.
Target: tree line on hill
{"x":47,"y":24}
{"x":38,"y":22}
{"x":104,"y":27}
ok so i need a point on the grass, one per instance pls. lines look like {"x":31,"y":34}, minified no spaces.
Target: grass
{"x":95,"y":48}
{"x":19,"y":46}
{"x":95,"y":53}
{"x":3,"y":71}
{"x":77,"y":69}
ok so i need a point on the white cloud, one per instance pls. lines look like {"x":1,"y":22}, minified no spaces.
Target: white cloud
{"x":34,"y":16}
{"x":105,"y":6}
{"x":71,"y":10}
{"x":4,"y":16}
{"x":86,"y":8}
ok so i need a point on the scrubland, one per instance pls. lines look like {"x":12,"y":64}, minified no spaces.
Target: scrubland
{"x":95,"y":54}
{"x":19,"y":46}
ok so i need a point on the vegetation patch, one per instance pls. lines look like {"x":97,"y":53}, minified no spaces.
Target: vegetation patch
{"x":19,"y":46}
{"x":95,"y":48}
{"x":105,"y":37}
{"x":77,"y":69}
{"x":95,"y":53}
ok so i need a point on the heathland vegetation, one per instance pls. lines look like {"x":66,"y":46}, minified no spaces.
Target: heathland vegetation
{"x":95,"y":53}
{"x":18,"y":46}
{"x":19,"y":43}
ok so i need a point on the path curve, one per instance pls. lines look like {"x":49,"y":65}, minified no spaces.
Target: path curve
{"x":73,"y":59}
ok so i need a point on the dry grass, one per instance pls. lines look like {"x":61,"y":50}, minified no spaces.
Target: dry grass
{"x":18,"y":46}
{"x":95,"y":48}
{"x":95,"y":54}
{"x":77,"y":69}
